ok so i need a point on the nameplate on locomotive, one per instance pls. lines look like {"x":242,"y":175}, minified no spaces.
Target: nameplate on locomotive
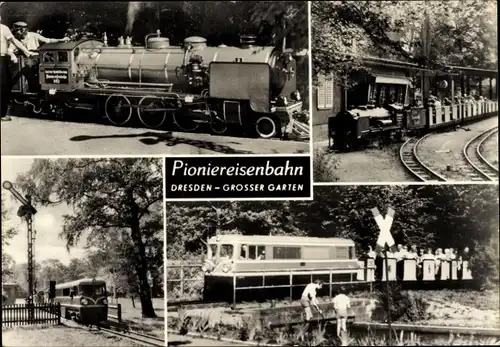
{"x":56,"y":76}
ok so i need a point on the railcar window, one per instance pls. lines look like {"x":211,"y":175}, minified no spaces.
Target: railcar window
{"x":261,"y":251}
{"x":244,"y":252}
{"x":226,"y":251}
{"x":286,"y":253}
{"x":257,"y":252}
{"x":62,"y":57}
{"x":66,"y":291}
{"x":93,"y":291}
{"x":342,"y":253}
{"x":49,"y":57}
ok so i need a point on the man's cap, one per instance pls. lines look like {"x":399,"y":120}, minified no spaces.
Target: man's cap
{"x":20,"y":24}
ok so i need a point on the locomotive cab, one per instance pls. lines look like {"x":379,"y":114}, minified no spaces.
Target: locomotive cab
{"x":59,"y":70}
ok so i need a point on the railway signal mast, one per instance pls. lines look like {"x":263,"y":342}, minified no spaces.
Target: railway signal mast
{"x":385,"y":241}
{"x":27,"y":211}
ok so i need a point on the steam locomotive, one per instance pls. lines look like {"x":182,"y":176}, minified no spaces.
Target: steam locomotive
{"x":250,"y":87}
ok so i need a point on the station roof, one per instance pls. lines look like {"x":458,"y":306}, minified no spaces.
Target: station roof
{"x":370,"y":60}
{"x":281,"y":240}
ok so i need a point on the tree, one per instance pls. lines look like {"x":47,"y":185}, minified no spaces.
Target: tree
{"x":104,"y":194}
{"x":7,"y":234}
{"x":427,"y":216}
{"x":433,"y":34}
{"x":52,"y":270}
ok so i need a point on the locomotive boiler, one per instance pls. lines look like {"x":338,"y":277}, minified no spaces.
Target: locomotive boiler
{"x":250,"y":86}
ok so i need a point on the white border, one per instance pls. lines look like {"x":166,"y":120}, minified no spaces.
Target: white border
{"x":165,"y":310}
{"x":402,"y":184}
{"x":240,"y":199}
{"x":119,"y":156}
{"x":311,"y":108}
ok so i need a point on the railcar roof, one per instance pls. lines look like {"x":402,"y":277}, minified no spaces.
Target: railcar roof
{"x":80,"y":282}
{"x":66,"y":46}
{"x":278,"y":239}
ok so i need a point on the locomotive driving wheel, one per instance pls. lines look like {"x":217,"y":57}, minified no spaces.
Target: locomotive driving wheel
{"x":218,"y":125}
{"x":266,"y":127}
{"x":147,"y":114}
{"x":184,"y":122}
{"x":117,"y":109}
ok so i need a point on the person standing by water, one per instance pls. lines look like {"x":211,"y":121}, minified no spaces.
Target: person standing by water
{"x":6,"y":38}
{"x":309,"y":297}
{"x":341,"y":303}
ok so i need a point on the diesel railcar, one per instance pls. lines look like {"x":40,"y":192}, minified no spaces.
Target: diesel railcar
{"x":256,"y":263}
{"x":250,"y":87}
{"x":83,"y":300}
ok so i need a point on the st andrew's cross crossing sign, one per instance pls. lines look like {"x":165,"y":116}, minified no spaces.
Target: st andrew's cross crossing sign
{"x":384,"y":224}
{"x":385,"y":238}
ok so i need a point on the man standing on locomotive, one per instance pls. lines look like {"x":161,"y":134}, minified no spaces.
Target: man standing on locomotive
{"x":6,"y":38}
{"x":32,"y":41}
{"x":309,"y":297}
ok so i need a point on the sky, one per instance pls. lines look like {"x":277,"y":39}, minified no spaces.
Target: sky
{"x":47,"y":223}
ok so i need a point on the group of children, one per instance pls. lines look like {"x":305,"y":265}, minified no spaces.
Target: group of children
{"x":341,"y":303}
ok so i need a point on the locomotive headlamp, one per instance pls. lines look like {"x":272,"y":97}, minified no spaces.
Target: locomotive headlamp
{"x":105,"y":302}
{"x":84,"y":302}
{"x":225,"y":268}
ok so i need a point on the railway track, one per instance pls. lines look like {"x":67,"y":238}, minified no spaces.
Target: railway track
{"x":480,"y":169}
{"x":409,"y":158}
{"x":142,"y":339}
{"x":195,"y":304}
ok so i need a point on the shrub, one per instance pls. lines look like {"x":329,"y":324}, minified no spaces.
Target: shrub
{"x":404,"y":306}
{"x":324,"y":166}
{"x":484,"y":266}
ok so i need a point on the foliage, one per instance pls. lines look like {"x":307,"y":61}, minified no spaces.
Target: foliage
{"x":7,"y":234}
{"x":319,"y":336}
{"x":429,"y":33}
{"x":109,"y":197}
{"x":427,"y":216}
{"x":324,"y":166}
{"x":404,"y":306}
{"x":272,"y":21}
{"x":484,"y":264}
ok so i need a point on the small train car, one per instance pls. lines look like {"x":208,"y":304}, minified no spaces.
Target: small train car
{"x":252,"y":263}
{"x":84,"y":300}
